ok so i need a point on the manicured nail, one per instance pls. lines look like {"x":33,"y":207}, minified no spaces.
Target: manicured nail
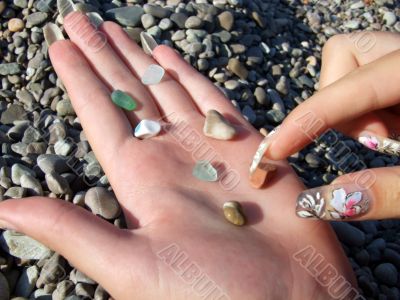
{"x":379,"y":143}
{"x":95,"y":19}
{"x":148,"y":43}
{"x":66,"y":7}
{"x":52,"y":33}
{"x":334,"y":202}
{"x":262,"y":148}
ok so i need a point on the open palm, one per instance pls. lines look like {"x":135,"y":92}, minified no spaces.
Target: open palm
{"x":178,"y":245}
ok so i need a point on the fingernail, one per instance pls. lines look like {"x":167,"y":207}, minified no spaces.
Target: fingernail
{"x":334,"y":202}
{"x":262,"y":148}
{"x":52,"y":33}
{"x":148,"y":42}
{"x":66,"y":7}
{"x":95,"y":19}
{"x":379,"y":143}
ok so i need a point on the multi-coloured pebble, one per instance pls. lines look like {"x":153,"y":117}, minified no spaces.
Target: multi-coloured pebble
{"x":262,"y":174}
{"x":123,"y":100}
{"x":204,"y":171}
{"x":153,"y":75}
{"x":217,"y":127}
{"x":233,"y":213}
{"x":147,"y":129}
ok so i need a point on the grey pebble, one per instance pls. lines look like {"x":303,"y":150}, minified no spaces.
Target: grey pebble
{"x":13,"y":113}
{"x":128,"y":16}
{"x":32,"y":185}
{"x":64,"y":108}
{"x":52,"y":271}
{"x":102,"y":202}
{"x":193,"y":22}
{"x":22,"y":246}
{"x":386,"y":273}
{"x":4,"y":288}
{"x":156,"y":11}
{"x":57,"y":184}
{"x":18,"y":170}
{"x":349,"y":234}
{"x":9,"y":68}
{"x":52,"y":163}
{"x":64,"y":289}
{"x":35,"y":19}
{"x":27,"y":281}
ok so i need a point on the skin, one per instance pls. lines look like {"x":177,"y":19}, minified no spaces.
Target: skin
{"x":162,"y":202}
{"x":359,"y":92}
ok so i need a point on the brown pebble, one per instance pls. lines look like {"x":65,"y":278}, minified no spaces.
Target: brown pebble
{"x":15,"y":25}
{"x":233,"y":213}
{"x":262,"y":174}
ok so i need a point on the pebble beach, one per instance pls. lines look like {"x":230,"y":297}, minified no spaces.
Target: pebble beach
{"x":264,"y":55}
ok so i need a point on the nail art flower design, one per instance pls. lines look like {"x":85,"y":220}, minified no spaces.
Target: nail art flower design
{"x":345,"y":205}
{"x":311,"y":206}
{"x":369,"y":141}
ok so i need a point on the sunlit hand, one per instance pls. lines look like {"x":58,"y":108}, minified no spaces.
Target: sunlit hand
{"x":178,"y":245}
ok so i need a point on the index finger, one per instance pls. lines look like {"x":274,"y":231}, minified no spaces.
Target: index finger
{"x":371,"y":87}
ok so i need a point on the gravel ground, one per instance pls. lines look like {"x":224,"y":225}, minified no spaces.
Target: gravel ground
{"x":264,"y":55}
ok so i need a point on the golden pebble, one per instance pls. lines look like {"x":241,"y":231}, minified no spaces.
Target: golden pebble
{"x":233,"y":213}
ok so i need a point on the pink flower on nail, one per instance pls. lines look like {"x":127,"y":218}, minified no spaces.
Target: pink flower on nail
{"x":345,"y":204}
{"x":369,"y":141}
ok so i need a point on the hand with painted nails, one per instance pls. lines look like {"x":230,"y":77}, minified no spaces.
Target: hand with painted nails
{"x":358,"y":95}
{"x":178,"y":244}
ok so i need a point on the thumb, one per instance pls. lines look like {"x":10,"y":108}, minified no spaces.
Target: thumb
{"x":86,"y":241}
{"x":365,"y":195}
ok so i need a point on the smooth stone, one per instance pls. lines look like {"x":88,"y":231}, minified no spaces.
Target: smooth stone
{"x":31,"y":135}
{"x":22,"y":246}
{"x":386,"y":273}
{"x":165,"y":24}
{"x":18,"y":170}
{"x":147,"y":129}
{"x":128,"y":15}
{"x":233,"y":213}
{"x":226,"y":20}
{"x":102,"y":202}
{"x":390,"y":18}
{"x":156,"y":11}
{"x":148,"y":42}
{"x":64,"y":108}
{"x":13,"y":113}
{"x":63,"y":290}
{"x":123,"y":100}
{"x":148,"y":21}
{"x":204,"y":171}
{"x":348,"y":234}
{"x":27,"y":281}
{"x":217,"y":127}
{"x":52,"y":271}
{"x":4,"y":288}
{"x":249,"y":114}
{"x":83,"y":290}
{"x":179,"y":19}
{"x":193,"y":22}
{"x":100,"y":293}
{"x":52,"y":162}
{"x":52,"y":33}
{"x":153,"y":75}
{"x":15,"y":25}
{"x":32,"y":185}
{"x":237,"y":68}
{"x":35,"y":19}
{"x":45,"y":5}
{"x":15,"y":192}
{"x":57,"y":184}
{"x":261,"y":96}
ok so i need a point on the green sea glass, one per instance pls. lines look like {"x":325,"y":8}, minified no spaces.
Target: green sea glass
{"x":123,"y":100}
{"x":204,"y":171}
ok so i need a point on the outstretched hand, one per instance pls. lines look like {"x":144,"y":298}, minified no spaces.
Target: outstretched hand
{"x":178,"y":244}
